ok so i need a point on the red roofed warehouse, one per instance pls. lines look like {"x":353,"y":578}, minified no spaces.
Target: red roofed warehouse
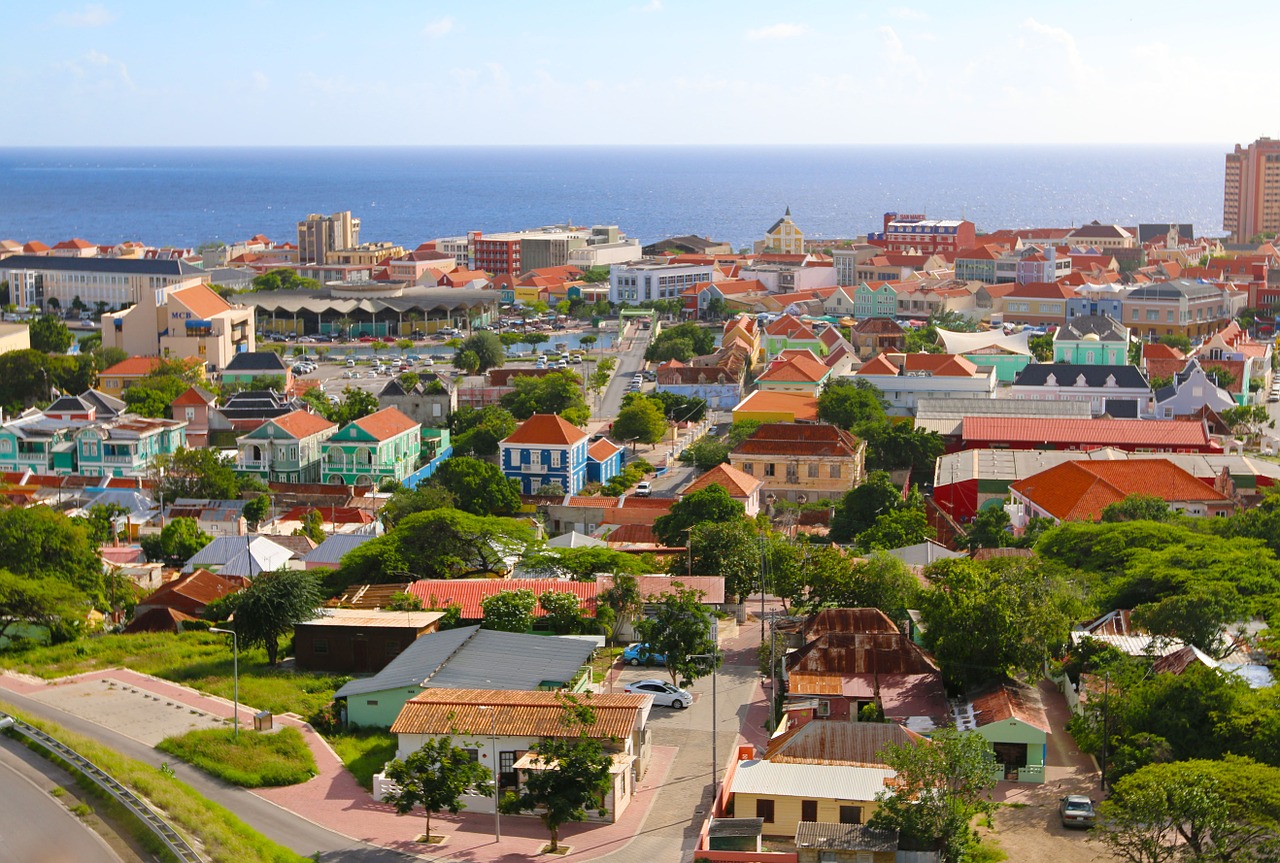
{"x":1080,"y":490}
{"x":1083,"y":434}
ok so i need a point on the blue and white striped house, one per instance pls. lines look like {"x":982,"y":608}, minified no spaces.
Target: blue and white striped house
{"x":546,"y":450}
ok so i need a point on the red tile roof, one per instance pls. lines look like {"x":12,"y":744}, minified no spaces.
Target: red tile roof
{"x":603,"y":449}
{"x":799,"y":368}
{"x":470,"y":592}
{"x":799,"y":439}
{"x":301,"y":424}
{"x":546,"y":429}
{"x":1080,"y":490}
{"x":193,"y":396}
{"x":632,"y":534}
{"x":133,"y":367}
{"x":1086,"y":433}
{"x":201,"y":300}
{"x":386,"y":423}
{"x":797,"y":405}
{"x":514,"y":713}
{"x":652,"y":587}
{"x":728,"y":477}
{"x":331,"y":514}
{"x":190,"y":593}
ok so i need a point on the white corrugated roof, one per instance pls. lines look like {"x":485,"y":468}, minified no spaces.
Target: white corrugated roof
{"x":1133,"y":645}
{"x":810,"y":780}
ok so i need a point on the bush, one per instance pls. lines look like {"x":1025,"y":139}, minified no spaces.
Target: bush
{"x":252,"y":760}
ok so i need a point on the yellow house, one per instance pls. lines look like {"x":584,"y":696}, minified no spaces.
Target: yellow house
{"x":784,"y":237}
{"x":795,"y":460}
{"x":745,"y":330}
{"x":774,"y":407}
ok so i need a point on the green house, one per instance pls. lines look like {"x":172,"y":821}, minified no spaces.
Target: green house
{"x":1092,"y":340}
{"x":467,"y":658}
{"x":126,"y":445}
{"x":287,"y":448}
{"x":1011,"y":717}
{"x":256,"y":369}
{"x":384,"y":445}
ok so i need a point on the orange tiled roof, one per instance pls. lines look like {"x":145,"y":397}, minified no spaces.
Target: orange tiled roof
{"x":133,"y":367}
{"x":603,"y":449}
{"x":201,"y":300}
{"x":386,"y":423}
{"x":469,"y":593}
{"x":546,"y":429}
{"x":796,"y":368}
{"x":194,"y":396}
{"x":1080,"y":490}
{"x":728,"y":477}
{"x":798,"y":405}
{"x":301,"y":424}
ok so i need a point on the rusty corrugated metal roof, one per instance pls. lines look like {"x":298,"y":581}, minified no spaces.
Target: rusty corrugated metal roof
{"x":838,"y":743}
{"x":514,"y":713}
{"x":849,"y":653}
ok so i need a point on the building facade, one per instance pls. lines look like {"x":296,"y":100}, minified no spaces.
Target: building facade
{"x":57,"y":282}
{"x":784,"y":237}
{"x":902,"y":232}
{"x":286,"y":449}
{"x":385,"y":445}
{"x":800,"y":460}
{"x":654,"y":279}
{"x":1176,"y":307}
{"x":177,"y":324}
{"x":545,"y":450}
{"x":1092,"y":340}
{"x":1251,"y":190}
{"x":319,"y":236}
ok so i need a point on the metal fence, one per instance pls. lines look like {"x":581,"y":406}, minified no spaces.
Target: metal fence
{"x":135,"y":804}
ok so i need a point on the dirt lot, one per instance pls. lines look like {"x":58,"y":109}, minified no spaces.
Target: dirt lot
{"x":1032,"y":833}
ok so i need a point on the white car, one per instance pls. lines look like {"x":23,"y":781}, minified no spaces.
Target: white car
{"x":664,"y":694}
{"x":644,"y":489}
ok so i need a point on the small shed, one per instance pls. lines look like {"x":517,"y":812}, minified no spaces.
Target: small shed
{"x":820,"y":842}
{"x":735,"y":834}
{"x":357,"y":641}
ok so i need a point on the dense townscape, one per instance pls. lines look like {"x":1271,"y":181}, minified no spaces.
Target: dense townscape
{"x":925,"y":544}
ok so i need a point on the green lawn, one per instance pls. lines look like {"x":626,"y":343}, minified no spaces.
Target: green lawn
{"x":226,"y":839}
{"x":364,"y":752}
{"x":251,"y":760}
{"x":603,"y":660}
{"x":200,"y":660}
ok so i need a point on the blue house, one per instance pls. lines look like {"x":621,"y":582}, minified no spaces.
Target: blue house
{"x":604,"y":460}
{"x":546,"y":450}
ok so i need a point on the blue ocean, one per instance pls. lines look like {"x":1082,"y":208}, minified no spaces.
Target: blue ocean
{"x":187,"y":196}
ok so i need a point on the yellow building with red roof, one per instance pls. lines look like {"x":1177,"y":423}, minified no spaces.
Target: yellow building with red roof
{"x":179,"y":322}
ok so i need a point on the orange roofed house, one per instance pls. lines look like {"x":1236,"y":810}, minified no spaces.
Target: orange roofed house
{"x":546,"y":450}
{"x":1080,"y":490}
{"x":287,"y":448}
{"x":904,"y":379}
{"x":796,"y":460}
{"x":187,"y":321}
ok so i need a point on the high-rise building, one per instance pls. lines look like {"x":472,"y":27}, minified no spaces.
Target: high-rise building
{"x":319,"y":235}
{"x":1251,"y":192}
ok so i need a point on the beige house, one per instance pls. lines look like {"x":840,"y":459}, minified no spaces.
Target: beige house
{"x":189,"y":322}
{"x":14,"y":337}
{"x":809,"y":460}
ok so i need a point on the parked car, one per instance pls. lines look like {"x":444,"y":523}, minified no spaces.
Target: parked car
{"x":371,"y":374}
{"x":664,"y":694}
{"x":351,"y":364}
{"x":1076,"y":810}
{"x":639,"y":654}
{"x":644,"y":489}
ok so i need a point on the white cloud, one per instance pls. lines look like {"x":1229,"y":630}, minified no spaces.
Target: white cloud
{"x":652,"y":6}
{"x":777,"y":31}
{"x":1084,"y":74}
{"x":436,"y":29}
{"x":92,"y":15}
{"x":906,"y":13}
{"x":898,"y":59}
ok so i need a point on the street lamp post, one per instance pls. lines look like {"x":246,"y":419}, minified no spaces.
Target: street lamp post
{"x":497,"y":776}
{"x":715,"y":760}
{"x":235,"y":676}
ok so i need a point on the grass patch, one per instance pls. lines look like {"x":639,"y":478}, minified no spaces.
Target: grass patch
{"x":197,"y":659}
{"x":603,"y":661}
{"x":226,"y":838}
{"x":252,"y":760}
{"x":364,"y":752}
{"x":986,"y":851}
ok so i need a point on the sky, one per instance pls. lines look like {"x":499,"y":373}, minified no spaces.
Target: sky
{"x":649,"y":72}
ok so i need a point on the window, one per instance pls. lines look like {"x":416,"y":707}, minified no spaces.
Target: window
{"x":835,"y":471}
{"x":850,"y":814}
{"x":320,"y":645}
{"x":371,"y":702}
{"x":473,"y":754}
{"x":764,"y":809}
{"x":768,"y":470}
{"x":191,"y":414}
{"x":824,"y":708}
{"x":813,"y":471}
{"x":748,"y":468}
{"x":808,"y":810}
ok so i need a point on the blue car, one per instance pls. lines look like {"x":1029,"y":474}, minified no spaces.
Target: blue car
{"x":639,"y":654}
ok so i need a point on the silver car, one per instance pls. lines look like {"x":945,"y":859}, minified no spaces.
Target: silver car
{"x":1076,"y":810}
{"x":664,"y":694}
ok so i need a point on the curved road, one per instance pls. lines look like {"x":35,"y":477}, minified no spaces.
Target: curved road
{"x":298,"y":834}
{"x":35,"y":827}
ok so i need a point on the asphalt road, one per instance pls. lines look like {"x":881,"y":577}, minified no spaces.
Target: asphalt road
{"x":284,"y":827}
{"x":36,"y":827}
{"x":630,"y":360}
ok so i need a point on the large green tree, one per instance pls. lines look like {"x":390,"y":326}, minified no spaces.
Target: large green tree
{"x":554,"y":393}
{"x":939,"y":788}
{"x":40,"y":542}
{"x":48,"y":602}
{"x":269,"y":607}
{"x":477,"y":487}
{"x":861,"y":506}
{"x":478,"y":431}
{"x":897,"y":528}
{"x":730,"y":549}
{"x":709,"y":504}
{"x":850,"y":404}
{"x":177,"y":541}
{"x":894,"y":445}
{"x":833,"y":581}
{"x":198,"y":473}
{"x":681,"y":342}
{"x":562,"y":610}
{"x":983,"y":620}
{"x":407,"y":501}
{"x":581,"y":564}
{"x":640,"y":420}
{"x":50,"y":334}
{"x":436,"y":776}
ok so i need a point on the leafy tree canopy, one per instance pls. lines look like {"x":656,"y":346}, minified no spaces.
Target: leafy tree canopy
{"x":436,"y":776}
{"x":198,"y":473}
{"x":269,"y":607}
{"x":678,"y":629}
{"x":681,"y":342}
{"x":478,"y":431}
{"x":860,"y":507}
{"x":39,"y":542}
{"x":850,"y":404}
{"x":554,"y":393}
{"x":897,"y":528}
{"x":477,"y":487}
{"x":487,"y":348}
{"x":283,"y":280}
{"x":510,"y":610}
{"x":641,"y":420}
{"x":709,"y":504}
{"x":50,"y":334}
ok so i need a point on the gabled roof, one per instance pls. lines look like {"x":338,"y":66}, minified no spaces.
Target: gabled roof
{"x":849,"y":743}
{"x":809,"y":439}
{"x":603,"y":449}
{"x":469,"y":593}
{"x":191,"y":592}
{"x":133,"y":366}
{"x":257,"y":361}
{"x":546,"y":429}
{"x":728,"y":477}
{"x":240,"y":555}
{"x":1072,"y":375}
{"x":858,"y":653}
{"x":799,"y":405}
{"x":386,"y":424}
{"x":202,"y":300}
{"x":847,"y":620}
{"x":1004,"y":700}
{"x":519,"y":714}
{"x":301,"y":424}
{"x":796,"y":369}
{"x":1080,"y":490}
{"x":1106,"y":328}
{"x":192,"y":397}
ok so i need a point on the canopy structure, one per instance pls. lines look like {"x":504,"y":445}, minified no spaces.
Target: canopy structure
{"x":968,"y":343}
